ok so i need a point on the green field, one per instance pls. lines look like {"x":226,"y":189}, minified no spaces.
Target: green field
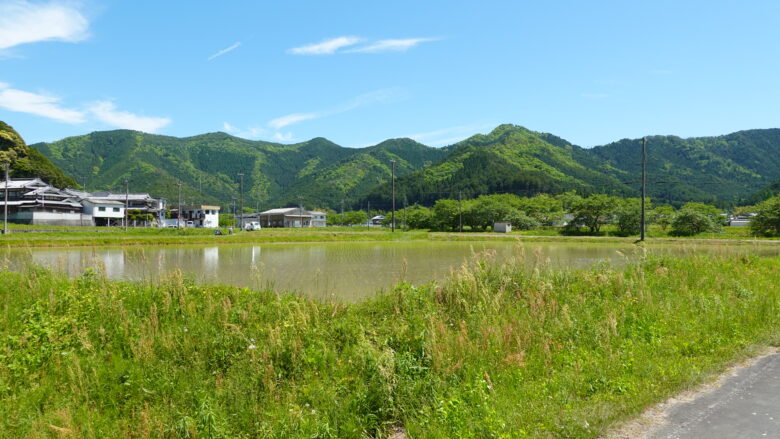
{"x":496,"y":351}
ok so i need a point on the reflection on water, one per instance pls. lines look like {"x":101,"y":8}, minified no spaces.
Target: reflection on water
{"x":345,"y":271}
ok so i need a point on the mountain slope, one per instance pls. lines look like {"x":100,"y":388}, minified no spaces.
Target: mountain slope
{"x":722,"y":169}
{"x":509,"y":159}
{"x":26,"y":161}
{"x":208,"y":166}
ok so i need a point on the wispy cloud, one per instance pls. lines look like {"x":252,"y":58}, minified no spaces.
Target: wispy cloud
{"x":248,"y":133}
{"x":234,"y":46}
{"x":38,"y":104}
{"x":106,"y":112}
{"x":385,"y":95}
{"x":283,"y":137}
{"x":335,"y":45}
{"x":392,"y":45}
{"x":326,"y":47}
{"x":25,"y":22}
{"x":450,"y":135}
{"x":290,"y":119}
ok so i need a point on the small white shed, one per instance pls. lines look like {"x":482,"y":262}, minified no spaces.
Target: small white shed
{"x":502,"y":227}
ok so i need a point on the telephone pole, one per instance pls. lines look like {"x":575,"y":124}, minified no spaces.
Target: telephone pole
{"x":127,"y":197}
{"x":644,"y":188}
{"x":5,"y":207}
{"x":178,"y":213}
{"x":241,"y":213}
{"x":392,"y":219}
{"x":460,"y":212}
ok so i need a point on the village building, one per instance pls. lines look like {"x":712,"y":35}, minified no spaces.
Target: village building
{"x":33,"y":201}
{"x":289,"y":217}
{"x":104,"y":212}
{"x":200,"y":216}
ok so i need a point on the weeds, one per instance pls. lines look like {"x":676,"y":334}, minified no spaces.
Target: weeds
{"x":497,"y":351}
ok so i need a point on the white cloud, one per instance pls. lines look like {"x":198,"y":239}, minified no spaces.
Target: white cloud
{"x":290,"y":119}
{"x":384,"y":96}
{"x":39,"y":104}
{"x":24,"y":22}
{"x":249,"y":133}
{"x":106,"y":112}
{"x":392,"y":45}
{"x":450,"y":135}
{"x":326,"y":47}
{"x":283,"y":137}
{"x":225,"y":50}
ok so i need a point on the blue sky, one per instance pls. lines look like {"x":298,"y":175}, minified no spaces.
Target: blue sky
{"x":359,"y":72}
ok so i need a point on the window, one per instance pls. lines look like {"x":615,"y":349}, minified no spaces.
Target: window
{"x":116,"y":209}
{"x":101,"y":209}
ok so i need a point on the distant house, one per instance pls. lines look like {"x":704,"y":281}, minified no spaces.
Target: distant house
{"x":377,"y":220}
{"x":104,"y":212}
{"x":141,"y":202}
{"x":741,"y":220}
{"x":200,"y":216}
{"x":33,"y":201}
{"x":318,"y":219}
{"x":290,"y":217}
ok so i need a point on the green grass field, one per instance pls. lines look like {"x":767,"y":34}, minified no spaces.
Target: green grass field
{"x":497,"y":351}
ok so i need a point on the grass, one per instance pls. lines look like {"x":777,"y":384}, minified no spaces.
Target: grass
{"x":497,"y":351}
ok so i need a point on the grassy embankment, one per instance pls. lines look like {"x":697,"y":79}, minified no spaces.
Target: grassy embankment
{"x":497,"y":351}
{"x":67,"y":237}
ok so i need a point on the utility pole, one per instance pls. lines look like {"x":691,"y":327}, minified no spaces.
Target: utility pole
{"x":342,"y":206}
{"x":460,"y":212}
{"x":5,"y":207}
{"x":392,"y":219}
{"x":241,"y":192}
{"x":368,"y":213}
{"x":127,"y":198}
{"x":644,"y":187}
{"x":300,"y":209}
{"x":178,"y":212}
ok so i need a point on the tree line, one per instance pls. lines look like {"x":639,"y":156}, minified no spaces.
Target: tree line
{"x":571,"y":213}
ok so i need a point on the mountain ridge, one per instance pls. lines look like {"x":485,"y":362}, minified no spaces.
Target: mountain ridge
{"x":510,"y":158}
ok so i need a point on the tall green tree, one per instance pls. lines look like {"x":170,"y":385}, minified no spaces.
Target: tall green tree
{"x":594,"y":211}
{"x":767,"y":219}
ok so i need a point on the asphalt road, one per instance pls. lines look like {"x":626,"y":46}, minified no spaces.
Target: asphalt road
{"x":746,"y":405}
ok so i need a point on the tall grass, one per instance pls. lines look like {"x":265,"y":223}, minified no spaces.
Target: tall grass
{"x":497,"y":351}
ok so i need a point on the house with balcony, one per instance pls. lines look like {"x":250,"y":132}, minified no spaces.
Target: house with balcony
{"x":33,"y":201}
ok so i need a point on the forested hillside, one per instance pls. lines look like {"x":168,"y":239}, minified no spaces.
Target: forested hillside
{"x":26,"y":161}
{"x":511,"y":159}
{"x":318,"y":172}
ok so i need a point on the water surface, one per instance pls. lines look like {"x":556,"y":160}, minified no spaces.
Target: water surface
{"x":340,"y":270}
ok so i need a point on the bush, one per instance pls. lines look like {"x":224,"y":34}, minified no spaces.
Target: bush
{"x":689,"y":222}
{"x":767,"y":219}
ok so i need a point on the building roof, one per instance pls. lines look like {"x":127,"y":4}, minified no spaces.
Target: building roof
{"x":287,"y":211}
{"x":17,"y":183}
{"x":316,"y":212}
{"x":103,"y":201}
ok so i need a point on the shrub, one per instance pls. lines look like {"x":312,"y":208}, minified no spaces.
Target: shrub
{"x":767,"y":219}
{"x":689,"y":222}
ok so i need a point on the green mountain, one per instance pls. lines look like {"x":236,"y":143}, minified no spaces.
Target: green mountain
{"x":509,"y":159}
{"x":764,"y":194}
{"x":723,"y":170}
{"x":317,"y":173}
{"x":26,"y":161}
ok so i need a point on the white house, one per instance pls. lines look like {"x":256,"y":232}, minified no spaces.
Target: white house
{"x":200,"y":216}
{"x":318,"y":219}
{"x":104,"y":212}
